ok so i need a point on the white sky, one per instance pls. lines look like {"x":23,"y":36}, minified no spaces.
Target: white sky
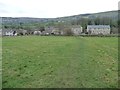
{"x":54,"y":8}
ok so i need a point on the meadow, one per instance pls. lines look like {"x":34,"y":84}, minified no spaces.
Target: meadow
{"x":59,"y":62}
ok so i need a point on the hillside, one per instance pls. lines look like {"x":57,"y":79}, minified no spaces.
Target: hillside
{"x":111,"y":14}
{"x":17,"y":20}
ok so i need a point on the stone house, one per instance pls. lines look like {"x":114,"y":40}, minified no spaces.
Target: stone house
{"x":76,"y":29}
{"x":98,"y":29}
{"x":55,"y":31}
{"x":48,"y":31}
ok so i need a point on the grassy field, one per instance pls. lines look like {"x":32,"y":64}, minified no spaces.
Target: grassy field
{"x":61,"y":62}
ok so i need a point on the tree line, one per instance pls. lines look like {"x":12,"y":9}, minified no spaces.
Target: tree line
{"x":81,"y":21}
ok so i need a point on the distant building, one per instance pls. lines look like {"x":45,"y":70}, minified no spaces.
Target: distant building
{"x":48,"y":30}
{"x":37,"y":33}
{"x":56,"y":31}
{"x":76,"y":29}
{"x":98,"y":29}
{"x":6,"y":32}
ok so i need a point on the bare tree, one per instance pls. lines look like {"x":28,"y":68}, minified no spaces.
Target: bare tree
{"x":68,"y":31}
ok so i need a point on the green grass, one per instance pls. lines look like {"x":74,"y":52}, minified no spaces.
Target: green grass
{"x":55,"y":61}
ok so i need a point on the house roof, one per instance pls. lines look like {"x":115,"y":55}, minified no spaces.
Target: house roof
{"x":98,"y":26}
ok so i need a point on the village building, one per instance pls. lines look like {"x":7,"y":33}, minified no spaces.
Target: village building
{"x":76,"y":29}
{"x":55,"y":31}
{"x":37,"y":33}
{"x":7,"y":32}
{"x":48,"y":31}
{"x":98,"y":29}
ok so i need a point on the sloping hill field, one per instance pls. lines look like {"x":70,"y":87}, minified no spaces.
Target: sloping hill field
{"x":60,"y":61}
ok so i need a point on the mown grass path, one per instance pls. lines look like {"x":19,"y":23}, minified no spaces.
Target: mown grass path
{"x":55,"y":61}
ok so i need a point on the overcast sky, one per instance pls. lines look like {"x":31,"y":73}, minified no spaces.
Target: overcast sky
{"x":54,"y":8}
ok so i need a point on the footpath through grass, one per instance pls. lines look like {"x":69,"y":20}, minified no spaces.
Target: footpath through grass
{"x":55,"y":61}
